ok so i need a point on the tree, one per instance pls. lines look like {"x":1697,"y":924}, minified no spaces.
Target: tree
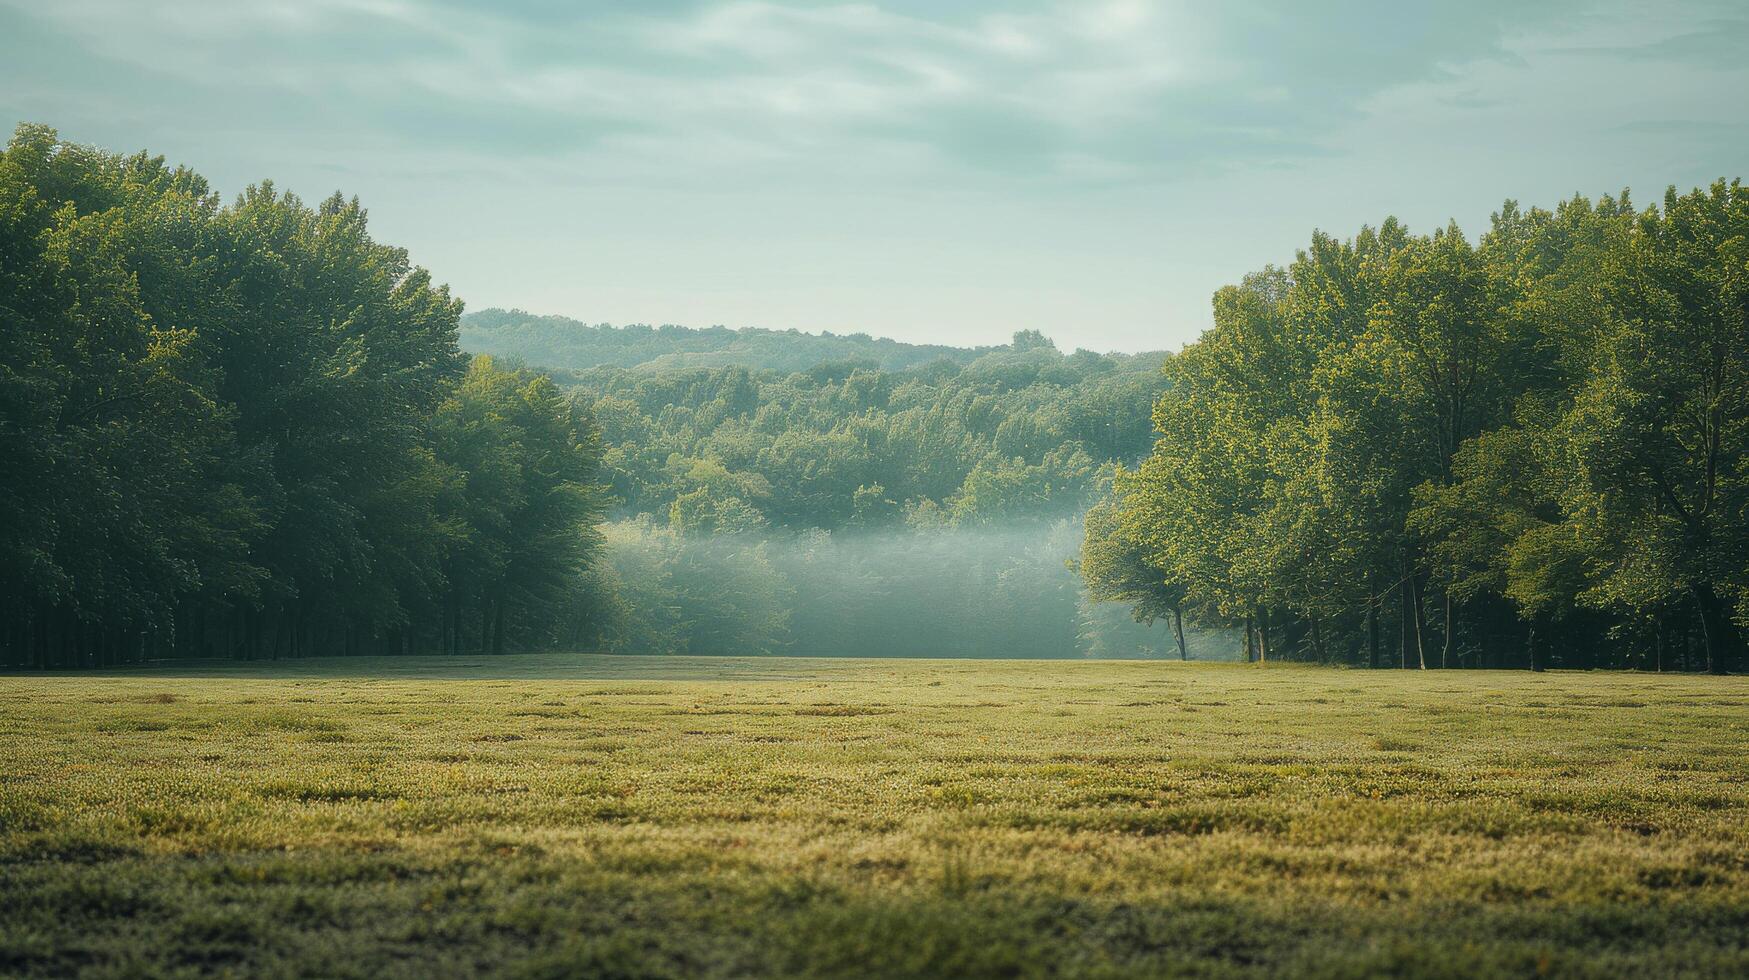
{"x":217,"y":429}
{"x":1113,"y":565}
{"x":1659,"y":428}
{"x":526,"y":504}
{"x":1549,"y":426}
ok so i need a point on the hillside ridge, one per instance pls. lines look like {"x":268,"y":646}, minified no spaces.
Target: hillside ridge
{"x":568,"y":344}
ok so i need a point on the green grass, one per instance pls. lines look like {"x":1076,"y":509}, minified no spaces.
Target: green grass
{"x":593,"y":816}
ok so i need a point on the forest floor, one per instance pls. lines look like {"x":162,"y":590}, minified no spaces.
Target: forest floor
{"x":623,"y":816}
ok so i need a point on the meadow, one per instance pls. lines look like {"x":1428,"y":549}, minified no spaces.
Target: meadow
{"x":639,"y":817}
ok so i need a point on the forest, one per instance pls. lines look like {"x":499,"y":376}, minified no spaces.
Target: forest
{"x":849,"y":510}
{"x":1524,"y":451}
{"x":247,"y":431}
{"x":250,"y":430}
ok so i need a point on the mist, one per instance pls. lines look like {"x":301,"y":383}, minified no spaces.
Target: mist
{"x":988,"y":592}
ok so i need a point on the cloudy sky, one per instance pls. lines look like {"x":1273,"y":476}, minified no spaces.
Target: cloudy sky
{"x":923,"y":170}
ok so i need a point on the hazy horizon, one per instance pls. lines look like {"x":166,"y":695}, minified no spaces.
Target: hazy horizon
{"x":1064,"y":342}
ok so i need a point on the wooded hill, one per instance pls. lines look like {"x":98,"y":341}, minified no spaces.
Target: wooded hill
{"x":1019,"y":433}
{"x":561,"y":343}
{"x":849,"y":511}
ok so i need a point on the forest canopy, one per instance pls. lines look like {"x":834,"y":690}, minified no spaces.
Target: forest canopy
{"x":1019,"y":433}
{"x":1528,"y":449}
{"x":247,"y":430}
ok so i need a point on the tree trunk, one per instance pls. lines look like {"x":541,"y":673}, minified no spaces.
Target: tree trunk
{"x":1419,"y":608}
{"x":1178,"y":632}
{"x":1406,"y":624}
{"x":1249,"y":656}
{"x":1536,"y":664}
{"x":1445,"y":651}
{"x":1262,"y":635}
{"x":1372,"y":631}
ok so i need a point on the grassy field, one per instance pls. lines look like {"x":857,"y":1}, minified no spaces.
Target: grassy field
{"x":595,"y":816}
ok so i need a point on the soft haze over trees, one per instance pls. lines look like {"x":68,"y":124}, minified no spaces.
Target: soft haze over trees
{"x":248,"y":430}
{"x":846,"y":510}
{"x":562,"y":344}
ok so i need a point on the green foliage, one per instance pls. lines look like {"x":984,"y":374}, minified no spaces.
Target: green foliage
{"x":522,"y":514}
{"x":865,"y":512}
{"x":237,"y":430}
{"x":1114,"y":563}
{"x":1016,"y":435}
{"x":1551,"y":426}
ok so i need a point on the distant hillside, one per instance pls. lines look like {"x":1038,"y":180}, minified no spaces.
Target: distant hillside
{"x":561,"y":343}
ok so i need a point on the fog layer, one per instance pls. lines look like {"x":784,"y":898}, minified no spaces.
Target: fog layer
{"x":947,"y":592}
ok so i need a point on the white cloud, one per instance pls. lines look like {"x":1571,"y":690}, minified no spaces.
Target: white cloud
{"x":1127,"y":136}
{"x":840,"y":77}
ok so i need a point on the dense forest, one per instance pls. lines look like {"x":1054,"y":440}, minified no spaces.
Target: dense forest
{"x":246,"y":430}
{"x":250,"y":430}
{"x":1018,"y":433}
{"x":1528,"y":450}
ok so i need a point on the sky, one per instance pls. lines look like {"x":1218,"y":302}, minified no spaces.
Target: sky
{"x":929,"y":171}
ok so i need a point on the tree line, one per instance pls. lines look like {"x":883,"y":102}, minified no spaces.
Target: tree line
{"x":1422,"y":451}
{"x":562,"y":344}
{"x":246,"y":430}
